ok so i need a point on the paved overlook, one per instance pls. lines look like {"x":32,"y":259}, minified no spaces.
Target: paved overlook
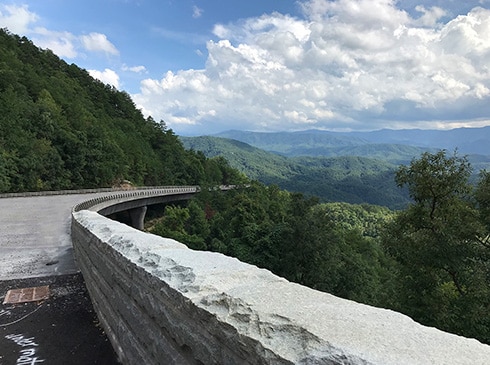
{"x":36,"y":253}
{"x":35,"y":238}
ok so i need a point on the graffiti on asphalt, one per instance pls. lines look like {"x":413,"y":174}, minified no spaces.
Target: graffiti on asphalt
{"x":27,"y":353}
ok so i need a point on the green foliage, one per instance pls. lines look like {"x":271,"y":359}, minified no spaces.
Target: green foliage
{"x":62,"y":129}
{"x":253,"y":162}
{"x":482,"y":196}
{"x":182,"y":224}
{"x":430,"y":260}
{"x":366,"y":219}
{"x":437,"y":241}
{"x":292,"y":236}
{"x":349,"y":179}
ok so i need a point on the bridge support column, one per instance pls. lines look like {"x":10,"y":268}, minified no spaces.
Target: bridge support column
{"x":137,"y":216}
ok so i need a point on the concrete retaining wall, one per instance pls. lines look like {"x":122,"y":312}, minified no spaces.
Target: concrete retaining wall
{"x":162,"y":303}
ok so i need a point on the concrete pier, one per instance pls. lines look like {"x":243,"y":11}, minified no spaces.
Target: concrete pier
{"x":137,"y":216}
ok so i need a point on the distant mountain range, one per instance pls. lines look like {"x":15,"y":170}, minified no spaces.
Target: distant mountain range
{"x":352,"y":179}
{"x":466,"y":140}
{"x":355,"y":167}
{"x":386,"y":142}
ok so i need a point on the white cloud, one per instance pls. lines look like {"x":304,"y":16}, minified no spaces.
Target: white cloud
{"x":61,"y":43}
{"x":221,"y":31}
{"x":97,"y":42}
{"x":16,"y":18}
{"x":430,"y":17}
{"x":107,"y":76}
{"x":196,"y":12}
{"x":346,"y":63}
{"x":20,"y":20}
{"x":136,"y":69}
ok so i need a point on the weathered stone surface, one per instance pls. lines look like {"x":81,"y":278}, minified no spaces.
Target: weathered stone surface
{"x":215,"y":309}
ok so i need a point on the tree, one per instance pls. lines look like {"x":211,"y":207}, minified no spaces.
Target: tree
{"x":482,"y":195}
{"x":444,"y":269}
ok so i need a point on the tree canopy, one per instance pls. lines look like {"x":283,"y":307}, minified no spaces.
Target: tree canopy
{"x":291,"y":235}
{"x":441,"y":244}
{"x":62,"y":129}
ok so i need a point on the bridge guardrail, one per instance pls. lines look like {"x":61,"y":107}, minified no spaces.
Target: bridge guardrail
{"x":78,"y":191}
{"x":136,"y":194}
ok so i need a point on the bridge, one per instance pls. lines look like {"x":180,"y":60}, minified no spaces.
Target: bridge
{"x":163,"y":303}
{"x":35,"y":237}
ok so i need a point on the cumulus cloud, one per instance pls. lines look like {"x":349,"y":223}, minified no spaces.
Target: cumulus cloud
{"x":61,"y":43}
{"x":345,"y":64}
{"x":16,"y":18}
{"x":20,"y":20}
{"x":97,"y":42}
{"x":430,"y":17}
{"x":107,"y":76}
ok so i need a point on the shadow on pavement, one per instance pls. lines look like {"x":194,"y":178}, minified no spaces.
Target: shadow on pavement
{"x":62,"y":329}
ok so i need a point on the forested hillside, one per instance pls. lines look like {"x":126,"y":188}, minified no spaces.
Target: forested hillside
{"x":62,"y":129}
{"x":351,"y":179}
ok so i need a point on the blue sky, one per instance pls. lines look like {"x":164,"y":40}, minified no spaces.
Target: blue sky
{"x":205,"y":66}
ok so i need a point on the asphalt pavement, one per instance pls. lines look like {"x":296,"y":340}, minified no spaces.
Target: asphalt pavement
{"x":35,"y":251}
{"x":35,"y":238}
{"x":62,"y":329}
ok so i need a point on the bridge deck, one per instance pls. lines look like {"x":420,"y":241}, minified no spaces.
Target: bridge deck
{"x":35,"y":235}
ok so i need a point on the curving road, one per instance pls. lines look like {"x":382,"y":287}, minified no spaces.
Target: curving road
{"x":35,"y":235}
{"x":36,"y":250}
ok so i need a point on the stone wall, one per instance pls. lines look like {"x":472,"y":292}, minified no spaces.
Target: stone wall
{"x":162,"y":303}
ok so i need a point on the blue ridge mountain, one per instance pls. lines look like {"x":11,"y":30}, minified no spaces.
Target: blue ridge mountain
{"x":316,"y":142}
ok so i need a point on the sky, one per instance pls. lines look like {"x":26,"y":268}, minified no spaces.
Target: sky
{"x":205,"y":66}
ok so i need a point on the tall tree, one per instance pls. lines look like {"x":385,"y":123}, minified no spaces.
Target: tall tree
{"x":436,"y":240}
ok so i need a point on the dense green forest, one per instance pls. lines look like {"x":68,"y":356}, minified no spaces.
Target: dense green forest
{"x":351,"y":179}
{"x":430,"y":260}
{"x":62,"y":129}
